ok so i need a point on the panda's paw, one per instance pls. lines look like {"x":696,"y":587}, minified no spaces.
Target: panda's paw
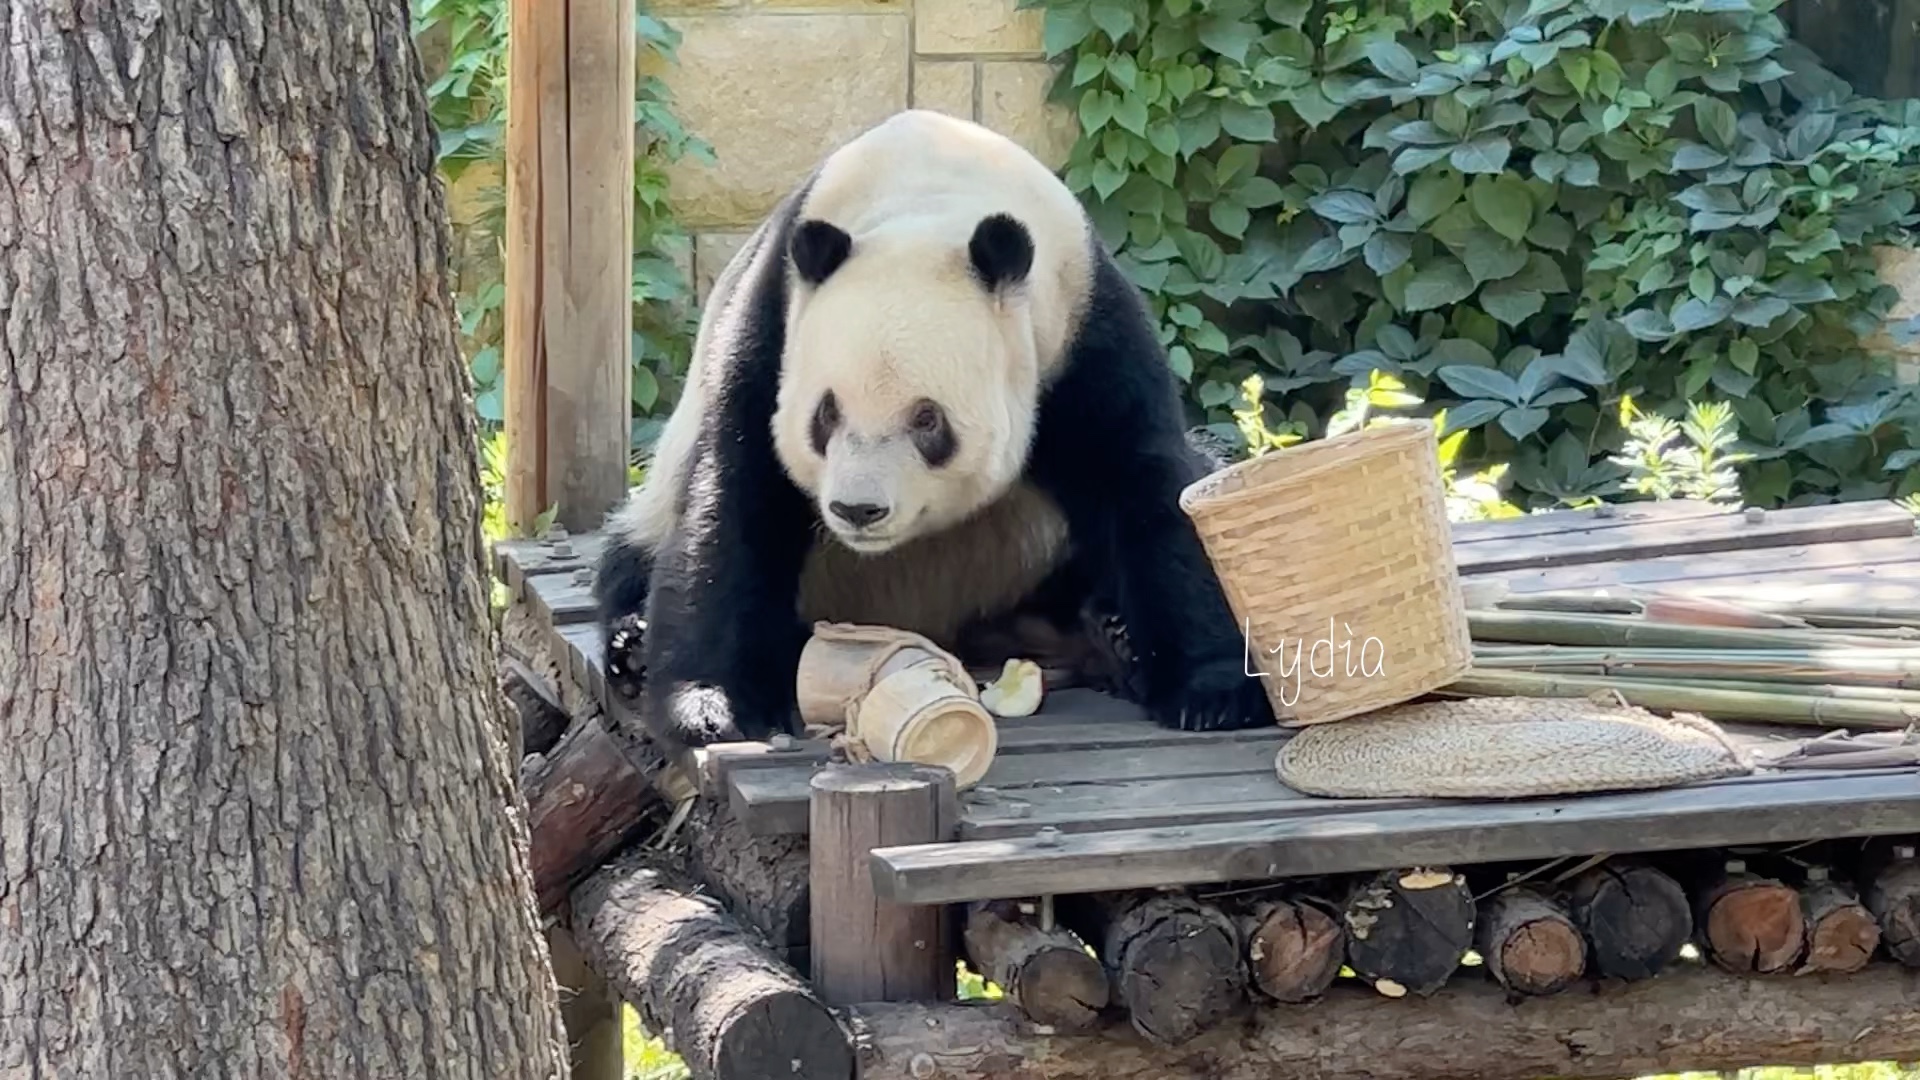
{"x":626,"y":657}
{"x":1216,"y":696}
{"x":700,"y":714}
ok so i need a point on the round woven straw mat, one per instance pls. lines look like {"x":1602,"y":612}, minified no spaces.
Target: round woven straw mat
{"x":1496,"y":748}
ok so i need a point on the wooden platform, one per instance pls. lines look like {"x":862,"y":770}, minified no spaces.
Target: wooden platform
{"x":1089,"y":795}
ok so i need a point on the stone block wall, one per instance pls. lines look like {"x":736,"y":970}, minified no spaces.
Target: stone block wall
{"x":775,"y":84}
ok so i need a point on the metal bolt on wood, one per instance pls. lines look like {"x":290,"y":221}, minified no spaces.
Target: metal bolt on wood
{"x":1903,"y":851}
{"x":1756,"y":514}
{"x":1736,"y":866}
{"x":561,"y":549}
{"x":583,"y":576}
{"x":1048,"y":836}
{"x":782,"y":741}
{"x":1604,"y":510}
{"x":1816,"y":874}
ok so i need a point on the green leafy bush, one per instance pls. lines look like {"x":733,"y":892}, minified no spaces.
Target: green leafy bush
{"x":1528,"y":210}
{"x":466,"y":43}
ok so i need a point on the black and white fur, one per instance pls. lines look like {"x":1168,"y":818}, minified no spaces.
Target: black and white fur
{"x":922,"y":395}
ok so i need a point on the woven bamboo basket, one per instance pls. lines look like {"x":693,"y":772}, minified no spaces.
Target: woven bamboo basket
{"x":1337,"y":559}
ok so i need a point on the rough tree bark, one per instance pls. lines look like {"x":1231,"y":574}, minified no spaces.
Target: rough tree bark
{"x":257,"y":804}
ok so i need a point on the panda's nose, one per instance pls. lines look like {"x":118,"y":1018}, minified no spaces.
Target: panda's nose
{"x":858,"y":515}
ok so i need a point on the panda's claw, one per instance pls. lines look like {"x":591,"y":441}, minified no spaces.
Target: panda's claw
{"x":626,"y":657}
{"x":1216,"y":697}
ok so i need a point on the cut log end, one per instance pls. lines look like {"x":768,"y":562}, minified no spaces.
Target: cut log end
{"x":1407,"y":931}
{"x":1893,"y":896}
{"x":1294,"y":949}
{"x":1047,"y":973}
{"x":1174,"y":962}
{"x":762,"y":1040}
{"x":1529,"y":944}
{"x":1636,"y":919}
{"x":1841,"y":933}
{"x":1753,"y":925}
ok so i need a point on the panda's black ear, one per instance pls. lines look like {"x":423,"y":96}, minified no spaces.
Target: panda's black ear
{"x":818,"y":248}
{"x":1001,"y":251}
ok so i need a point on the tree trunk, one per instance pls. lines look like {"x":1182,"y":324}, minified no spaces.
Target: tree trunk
{"x":258,"y":814}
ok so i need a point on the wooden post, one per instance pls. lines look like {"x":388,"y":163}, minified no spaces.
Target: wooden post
{"x":864,"y":949}
{"x":569,"y":259}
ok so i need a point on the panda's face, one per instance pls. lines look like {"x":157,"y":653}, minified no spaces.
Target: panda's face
{"x":910,"y":381}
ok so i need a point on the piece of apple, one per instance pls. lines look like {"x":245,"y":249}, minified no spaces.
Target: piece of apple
{"x":1016,"y":692}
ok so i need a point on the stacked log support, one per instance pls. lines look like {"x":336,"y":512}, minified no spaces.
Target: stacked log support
{"x":1174,"y":962}
{"x":585,"y":799}
{"x":1892,"y":894}
{"x":1841,"y":934}
{"x":1528,"y":941}
{"x":1635,"y":918}
{"x":764,"y":880}
{"x":1295,"y":946}
{"x":1689,"y":1019}
{"x":1408,"y":930}
{"x":1750,"y":924}
{"x":726,"y":1004}
{"x":1045,"y":971}
{"x":861,"y":947}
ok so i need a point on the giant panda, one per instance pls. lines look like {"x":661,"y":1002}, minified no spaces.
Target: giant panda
{"x":922,"y":395}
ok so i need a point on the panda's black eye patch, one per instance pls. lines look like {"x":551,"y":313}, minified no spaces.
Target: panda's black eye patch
{"x":931,"y":434}
{"x":826,"y":417}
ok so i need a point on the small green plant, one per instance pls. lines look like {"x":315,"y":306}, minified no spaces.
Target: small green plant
{"x":1691,"y":459}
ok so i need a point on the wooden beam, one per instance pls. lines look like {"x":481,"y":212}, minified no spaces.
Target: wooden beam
{"x":1687,"y":1020}
{"x":523,"y":352}
{"x":1709,"y":815}
{"x":569,"y":306}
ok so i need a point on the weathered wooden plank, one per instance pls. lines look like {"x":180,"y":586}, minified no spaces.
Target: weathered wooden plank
{"x":1759,"y":566}
{"x":586,"y":657}
{"x":1704,"y":816}
{"x":560,"y":599}
{"x":1554,"y":522}
{"x":1078,"y":808}
{"x":1725,"y":532}
{"x":991,"y":813}
{"x":514,"y":561}
{"x":771,"y":801}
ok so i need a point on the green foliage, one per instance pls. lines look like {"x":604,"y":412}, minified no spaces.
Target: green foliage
{"x":1689,"y":460}
{"x":468,"y":97}
{"x":1527,"y":210}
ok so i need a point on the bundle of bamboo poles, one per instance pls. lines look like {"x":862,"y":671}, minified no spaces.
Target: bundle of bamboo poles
{"x":1818,"y":666}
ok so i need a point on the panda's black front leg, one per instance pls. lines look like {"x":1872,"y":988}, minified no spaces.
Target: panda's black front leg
{"x":723,"y":636}
{"x":620,"y":594}
{"x":1190,"y":650}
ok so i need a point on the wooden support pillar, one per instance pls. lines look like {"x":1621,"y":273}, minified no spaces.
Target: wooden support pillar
{"x":862,"y":948}
{"x":589,"y":1010}
{"x":569,"y":259}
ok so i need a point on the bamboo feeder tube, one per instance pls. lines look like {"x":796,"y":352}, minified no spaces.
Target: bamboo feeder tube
{"x":901,"y":697}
